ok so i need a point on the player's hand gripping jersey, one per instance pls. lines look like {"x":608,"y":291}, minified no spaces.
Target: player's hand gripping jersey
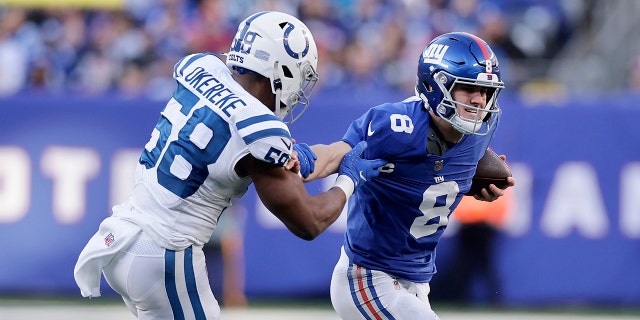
{"x":186,"y":177}
{"x":396,"y":219}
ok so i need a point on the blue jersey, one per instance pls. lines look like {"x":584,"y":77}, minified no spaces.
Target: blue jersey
{"x":396,"y":220}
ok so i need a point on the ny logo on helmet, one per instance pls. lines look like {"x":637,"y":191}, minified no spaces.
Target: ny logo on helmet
{"x":434,"y":53}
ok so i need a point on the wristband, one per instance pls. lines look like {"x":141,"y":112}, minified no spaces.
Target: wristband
{"x":345,"y":184}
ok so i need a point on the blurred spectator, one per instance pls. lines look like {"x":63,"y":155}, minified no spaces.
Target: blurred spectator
{"x":96,"y":51}
{"x":495,"y":30}
{"x":330,"y":35}
{"x":13,"y":53}
{"x":210,"y":30}
{"x":467,"y":15}
{"x":634,"y":74}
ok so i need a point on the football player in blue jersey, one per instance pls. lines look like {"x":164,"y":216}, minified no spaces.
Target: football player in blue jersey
{"x":432,"y":142}
{"x":221,"y":130}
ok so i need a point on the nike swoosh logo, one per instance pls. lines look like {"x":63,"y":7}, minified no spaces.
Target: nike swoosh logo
{"x":288,"y":145}
{"x":362,"y":176}
{"x":369,"y":131}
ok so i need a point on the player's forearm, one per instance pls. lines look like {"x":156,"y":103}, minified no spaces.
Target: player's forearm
{"x":329,"y":158}
{"x":309,"y":218}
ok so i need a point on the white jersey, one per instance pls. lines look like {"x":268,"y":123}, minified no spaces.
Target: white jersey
{"x":186,"y":177}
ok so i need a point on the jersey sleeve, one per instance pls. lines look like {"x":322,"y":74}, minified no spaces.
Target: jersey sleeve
{"x":374,"y":127}
{"x":266,"y":136}
{"x":357,"y":129}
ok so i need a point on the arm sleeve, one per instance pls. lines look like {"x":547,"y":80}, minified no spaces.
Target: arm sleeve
{"x":374,"y":127}
{"x":266,"y":136}
{"x":357,"y":131}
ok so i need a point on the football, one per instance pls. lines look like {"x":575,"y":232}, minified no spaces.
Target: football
{"x":491,"y":170}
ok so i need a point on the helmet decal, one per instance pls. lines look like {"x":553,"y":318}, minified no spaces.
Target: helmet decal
{"x":285,"y":41}
{"x":262,"y":55}
{"x":434,"y":53}
{"x":483,"y":46}
{"x":244,"y":41}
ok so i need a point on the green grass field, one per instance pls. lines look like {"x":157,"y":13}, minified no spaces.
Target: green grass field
{"x":12,"y":308}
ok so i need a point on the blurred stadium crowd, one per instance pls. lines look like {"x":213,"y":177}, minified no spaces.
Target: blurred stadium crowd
{"x":90,"y":50}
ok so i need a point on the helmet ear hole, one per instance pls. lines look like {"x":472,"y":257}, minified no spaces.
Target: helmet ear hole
{"x":287,"y":72}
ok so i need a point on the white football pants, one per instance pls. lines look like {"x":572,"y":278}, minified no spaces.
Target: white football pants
{"x":162,"y":284}
{"x":360,"y":293}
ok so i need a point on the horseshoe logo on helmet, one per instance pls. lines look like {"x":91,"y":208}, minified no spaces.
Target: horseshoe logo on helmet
{"x":287,"y":48}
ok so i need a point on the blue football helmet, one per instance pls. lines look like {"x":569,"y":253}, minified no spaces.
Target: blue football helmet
{"x":459,"y":58}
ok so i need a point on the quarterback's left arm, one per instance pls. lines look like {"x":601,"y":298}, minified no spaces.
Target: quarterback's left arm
{"x":329,"y":156}
{"x":494,"y":192}
{"x":328,"y":159}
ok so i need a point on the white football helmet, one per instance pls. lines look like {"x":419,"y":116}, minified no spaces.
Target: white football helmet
{"x":280,"y":47}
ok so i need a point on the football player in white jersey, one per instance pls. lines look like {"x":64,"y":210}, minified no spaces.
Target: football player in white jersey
{"x":396,"y":220}
{"x":222,"y":130}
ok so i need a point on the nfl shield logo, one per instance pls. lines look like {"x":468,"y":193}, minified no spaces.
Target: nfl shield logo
{"x":438,"y":166}
{"x":109,"y":239}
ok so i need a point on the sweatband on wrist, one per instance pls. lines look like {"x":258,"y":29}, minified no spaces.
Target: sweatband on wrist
{"x":346,"y":184}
